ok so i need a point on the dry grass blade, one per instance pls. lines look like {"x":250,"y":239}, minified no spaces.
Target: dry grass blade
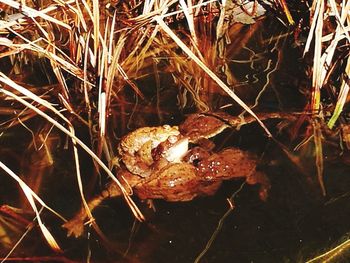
{"x":340,"y":18}
{"x":344,"y":91}
{"x":332,"y":255}
{"x":208,"y":71}
{"x":5,"y":259}
{"x":324,"y":52}
{"x":101,"y":86}
{"x":86,"y":85}
{"x":22,"y":183}
{"x":96,"y":23}
{"x":64,"y":62}
{"x":317,"y":65}
{"x":4,"y":79}
{"x":30,"y":197}
{"x":187,"y":9}
{"x":30,"y":12}
{"x":80,"y":183}
{"x":286,"y":11}
{"x":114,"y":65}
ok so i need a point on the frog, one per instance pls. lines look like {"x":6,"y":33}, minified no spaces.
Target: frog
{"x":185,"y":181}
{"x":137,"y":148}
{"x":160,"y":163}
{"x":179,"y":182}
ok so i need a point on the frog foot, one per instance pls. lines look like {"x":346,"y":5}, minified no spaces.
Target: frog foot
{"x":74,"y":227}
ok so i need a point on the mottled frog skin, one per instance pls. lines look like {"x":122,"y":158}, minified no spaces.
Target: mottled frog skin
{"x":171,"y":163}
{"x":185,"y":181}
{"x":135,"y":149}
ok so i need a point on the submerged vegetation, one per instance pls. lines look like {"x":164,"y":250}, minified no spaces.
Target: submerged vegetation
{"x":76,"y":76}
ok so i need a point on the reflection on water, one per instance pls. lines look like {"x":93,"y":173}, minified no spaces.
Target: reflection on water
{"x":295,"y":222}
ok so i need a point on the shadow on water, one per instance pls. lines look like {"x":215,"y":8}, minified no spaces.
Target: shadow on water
{"x":295,"y":223}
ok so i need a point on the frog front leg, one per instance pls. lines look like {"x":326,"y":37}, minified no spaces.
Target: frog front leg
{"x":261,"y":179}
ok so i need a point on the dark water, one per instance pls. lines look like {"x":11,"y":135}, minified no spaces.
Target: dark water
{"x":294,"y":224}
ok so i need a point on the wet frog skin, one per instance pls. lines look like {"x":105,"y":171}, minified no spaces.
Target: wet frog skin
{"x":182,"y":181}
{"x":185,"y":181}
{"x":135,"y":149}
{"x":158,"y":164}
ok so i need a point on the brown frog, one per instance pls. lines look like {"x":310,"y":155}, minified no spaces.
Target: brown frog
{"x":160,"y":166}
{"x":187,"y":180}
{"x":135,"y":149}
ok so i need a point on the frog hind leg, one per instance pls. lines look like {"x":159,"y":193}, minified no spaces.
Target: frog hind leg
{"x":75,"y":226}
